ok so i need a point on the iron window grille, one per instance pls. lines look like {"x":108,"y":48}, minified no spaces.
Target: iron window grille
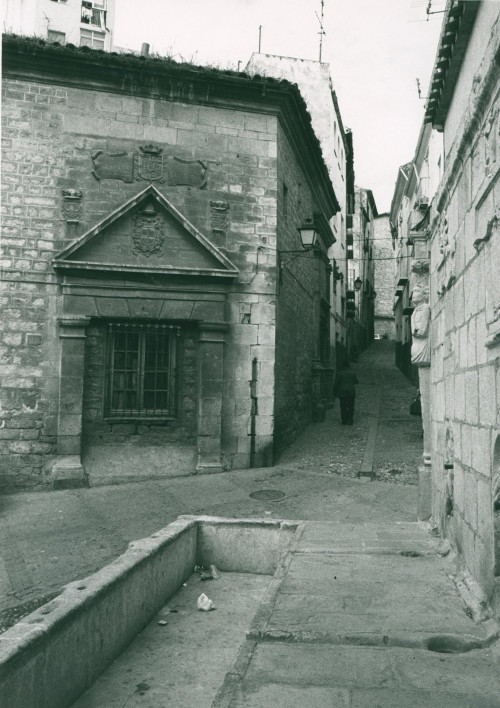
{"x":142,"y":371}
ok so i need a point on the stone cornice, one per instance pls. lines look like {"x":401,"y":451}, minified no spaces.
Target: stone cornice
{"x":165,"y":79}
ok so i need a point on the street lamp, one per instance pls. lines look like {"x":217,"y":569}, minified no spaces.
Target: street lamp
{"x":358,"y":283}
{"x":308,"y":234}
{"x":308,"y":239}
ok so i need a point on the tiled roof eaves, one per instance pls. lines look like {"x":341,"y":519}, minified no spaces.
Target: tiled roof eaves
{"x":458,"y":22}
{"x":160,"y":77}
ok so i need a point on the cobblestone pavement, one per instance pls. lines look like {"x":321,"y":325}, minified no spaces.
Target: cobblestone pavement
{"x":48,"y":539}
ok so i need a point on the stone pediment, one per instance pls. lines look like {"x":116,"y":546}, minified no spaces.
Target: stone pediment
{"x":147,"y":234}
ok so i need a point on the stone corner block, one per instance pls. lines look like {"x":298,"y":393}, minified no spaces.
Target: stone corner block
{"x":68,"y":473}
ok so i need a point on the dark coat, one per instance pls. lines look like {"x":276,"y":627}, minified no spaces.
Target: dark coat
{"x":344,"y":383}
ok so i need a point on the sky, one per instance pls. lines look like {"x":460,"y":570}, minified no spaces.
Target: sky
{"x":376,"y":50}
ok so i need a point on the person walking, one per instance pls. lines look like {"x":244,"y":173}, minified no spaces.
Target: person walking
{"x":344,"y":389}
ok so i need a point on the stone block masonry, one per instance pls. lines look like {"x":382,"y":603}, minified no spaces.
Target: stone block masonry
{"x":384,"y":274}
{"x":465,"y":262}
{"x":75,"y":152}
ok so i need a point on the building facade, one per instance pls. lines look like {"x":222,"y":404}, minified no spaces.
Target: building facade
{"x":360,"y":294}
{"x":416,"y":185}
{"x":453,"y":284}
{"x":464,"y":292}
{"x":84,"y":23}
{"x":161,"y":315}
{"x":384,"y":269}
{"x":315,"y":84}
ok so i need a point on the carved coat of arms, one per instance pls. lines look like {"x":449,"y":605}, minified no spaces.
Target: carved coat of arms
{"x":149,"y":163}
{"x":72,"y":205}
{"x":219,"y":215}
{"x":148,"y":233}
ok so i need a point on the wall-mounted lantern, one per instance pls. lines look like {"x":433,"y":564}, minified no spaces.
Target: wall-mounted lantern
{"x":358,"y":283}
{"x":308,"y":234}
{"x":309,"y":240}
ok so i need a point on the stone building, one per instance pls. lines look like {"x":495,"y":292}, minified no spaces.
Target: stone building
{"x":384,"y":261}
{"x":316,"y":86}
{"x":360,"y":271}
{"x":88,"y":23}
{"x":416,"y":184}
{"x":160,"y":314}
{"x":456,"y":298}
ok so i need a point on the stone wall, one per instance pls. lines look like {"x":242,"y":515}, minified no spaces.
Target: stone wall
{"x":31,"y":232}
{"x":80,"y":148}
{"x":297,"y":317}
{"x":384,"y":258}
{"x":465,"y":370}
{"x":51,"y":135}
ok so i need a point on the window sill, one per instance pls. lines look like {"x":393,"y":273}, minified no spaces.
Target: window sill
{"x":138,"y":418}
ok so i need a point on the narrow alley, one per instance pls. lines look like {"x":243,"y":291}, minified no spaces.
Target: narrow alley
{"x":362,"y":610}
{"x":201,"y":260}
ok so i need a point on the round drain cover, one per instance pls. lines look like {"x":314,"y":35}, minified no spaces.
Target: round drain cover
{"x":268,"y":495}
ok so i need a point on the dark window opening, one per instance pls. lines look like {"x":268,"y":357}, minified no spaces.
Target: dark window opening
{"x":285,"y":201}
{"x":93,"y":13}
{"x":142,"y":371}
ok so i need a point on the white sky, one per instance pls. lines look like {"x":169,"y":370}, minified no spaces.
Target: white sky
{"x":376,"y":49}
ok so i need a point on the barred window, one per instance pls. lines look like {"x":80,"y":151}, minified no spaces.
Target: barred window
{"x":142,"y":370}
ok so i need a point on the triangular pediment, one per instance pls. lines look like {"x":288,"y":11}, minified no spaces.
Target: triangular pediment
{"x":146,"y":234}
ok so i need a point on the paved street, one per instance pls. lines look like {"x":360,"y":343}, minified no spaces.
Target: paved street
{"x":51,"y":538}
{"x":347,"y":620}
{"x":356,"y":615}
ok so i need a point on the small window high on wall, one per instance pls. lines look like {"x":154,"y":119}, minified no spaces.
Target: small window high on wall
{"x":54,"y":36}
{"x":91,"y":38}
{"x":142,"y":371}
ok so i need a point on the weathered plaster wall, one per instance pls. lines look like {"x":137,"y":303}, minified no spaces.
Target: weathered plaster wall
{"x":33,"y":18}
{"x":465,"y":262}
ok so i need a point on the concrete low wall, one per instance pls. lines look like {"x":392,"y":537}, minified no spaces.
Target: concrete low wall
{"x":238,"y":546}
{"x":54,"y":654}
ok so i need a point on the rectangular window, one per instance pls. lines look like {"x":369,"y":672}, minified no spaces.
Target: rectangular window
{"x":142,"y":371}
{"x":90,"y":38}
{"x":54,"y":36}
{"x":93,"y":13}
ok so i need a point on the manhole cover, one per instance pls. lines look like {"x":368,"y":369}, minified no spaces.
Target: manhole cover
{"x":268,"y":494}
